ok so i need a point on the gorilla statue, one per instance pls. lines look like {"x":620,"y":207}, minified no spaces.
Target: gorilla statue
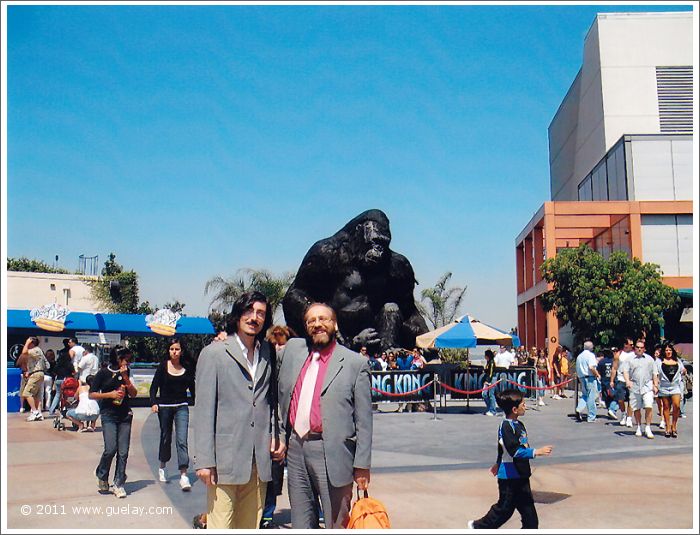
{"x":368,"y":285}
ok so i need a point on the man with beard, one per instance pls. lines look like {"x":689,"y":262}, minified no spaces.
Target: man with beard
{"x":369,"y":285}
{"x":325,"y":403}
{"x":233,"y":428}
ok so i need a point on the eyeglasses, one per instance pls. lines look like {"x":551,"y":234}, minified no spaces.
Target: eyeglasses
{"x":639,"y":347}
{"x":260,"y":314}
{"x":323,"y":319}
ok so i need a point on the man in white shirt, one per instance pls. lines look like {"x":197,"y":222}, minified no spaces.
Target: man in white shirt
{"x":643,"y":383}
{"x":504,"y":359}
{"x":88,"y":365}
{"x":76,"y":352}
{"x":617,"y":381}
{"x":587,"y":372}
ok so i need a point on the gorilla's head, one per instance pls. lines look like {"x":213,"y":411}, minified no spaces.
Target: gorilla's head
{"x":369,"y":237}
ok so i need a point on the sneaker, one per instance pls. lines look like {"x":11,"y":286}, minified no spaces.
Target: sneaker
{"x":638,"y":433}
{"x":489,"y":413}
{"x":34,"y":417}
{"x":22,"y":410}
{"x":683,"y":416}
{"x":648,"y":432}
{"x":90,"y":429}
{"x":102,"y":485}
{"x":540,"y":402}
{"x":119,"y":492}
{"x":185,"y":482}
{"x":83,"y":430}
{"x":556,"y":396}
{"x":612,"y":414}
{"x":470,"y":525}
{"x":162,"y":476}
{"x":266,"y":523}
{"x":662,"y":424}
{"x":623,"y":420}
{"x":564,"y":396}
{"x":39,"y":416}
{"x":629,"y":421}
{"x":578,"y":416}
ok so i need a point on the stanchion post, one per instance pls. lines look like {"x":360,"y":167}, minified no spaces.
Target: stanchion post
{"x":436,"y":385}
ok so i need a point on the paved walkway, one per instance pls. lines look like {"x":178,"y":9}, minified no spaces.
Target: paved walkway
{"x":431,"y":474}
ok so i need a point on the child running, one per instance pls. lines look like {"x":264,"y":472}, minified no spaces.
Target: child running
{"x":513,"y":471}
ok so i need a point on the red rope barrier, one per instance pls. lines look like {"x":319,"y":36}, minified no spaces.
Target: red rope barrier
{"x":451,"y":388}
{"x":394,"y":394}
{"x":540,"y":387}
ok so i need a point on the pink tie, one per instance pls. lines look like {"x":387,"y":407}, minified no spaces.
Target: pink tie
{"x":302,"y":422}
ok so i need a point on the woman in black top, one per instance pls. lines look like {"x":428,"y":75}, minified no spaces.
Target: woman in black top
{"x":173,"y":377}
{"x":112,"y":388}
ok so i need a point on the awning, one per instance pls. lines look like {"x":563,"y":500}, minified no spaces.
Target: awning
{"x":19,"y":321}
{"x":687,"y":315}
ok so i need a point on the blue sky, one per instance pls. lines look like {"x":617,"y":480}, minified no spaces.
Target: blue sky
{"x":196,"y":140}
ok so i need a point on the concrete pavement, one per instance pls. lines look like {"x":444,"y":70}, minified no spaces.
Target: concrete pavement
{"x":430,"y":474}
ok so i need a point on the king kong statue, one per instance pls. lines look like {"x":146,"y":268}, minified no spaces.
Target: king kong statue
{"x":368,"y":285}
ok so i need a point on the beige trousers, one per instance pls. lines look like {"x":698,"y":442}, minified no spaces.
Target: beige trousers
{"x":236,"y":506}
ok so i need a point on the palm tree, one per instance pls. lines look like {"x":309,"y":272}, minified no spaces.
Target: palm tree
{"x":226,"y":291}
{"x":442,"y":302}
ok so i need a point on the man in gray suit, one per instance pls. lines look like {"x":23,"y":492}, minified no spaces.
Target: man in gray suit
{"x":233,"y":429}
{"x":325,"y":403}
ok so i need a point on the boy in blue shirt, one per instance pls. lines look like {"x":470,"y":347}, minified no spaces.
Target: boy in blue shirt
{"x":512,"y":467}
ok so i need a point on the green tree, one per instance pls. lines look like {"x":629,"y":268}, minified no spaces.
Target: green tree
{"x":226,"y":291}
{"x":606,"y":299}
{"x":128,"y":303}
{"x":31,"y":265}
{"x":442,"y":303}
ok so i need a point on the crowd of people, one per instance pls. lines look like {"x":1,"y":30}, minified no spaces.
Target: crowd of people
{"x":631,"y":381}
{"x":275,"y":403}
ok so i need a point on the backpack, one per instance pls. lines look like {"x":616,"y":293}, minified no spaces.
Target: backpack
{"x":368,"y":513}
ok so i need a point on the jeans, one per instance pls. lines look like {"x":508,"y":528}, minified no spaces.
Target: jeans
{"x":489,"y":397}
{"x":116,"y":432}
{"x":181,"y":417}
{"x":57,"y":395}
{"x":608,"y":395}
{"x":512,"y":494}
{"x":589,"y":392}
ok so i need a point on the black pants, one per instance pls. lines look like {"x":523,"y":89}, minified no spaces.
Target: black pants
{"x":512,"y":494}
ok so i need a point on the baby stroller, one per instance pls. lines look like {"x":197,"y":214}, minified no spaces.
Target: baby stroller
{"x":68,"y":400}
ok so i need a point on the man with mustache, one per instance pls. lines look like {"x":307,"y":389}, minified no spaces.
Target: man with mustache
{"x":233,"y":427}
{"x":325,"y":403}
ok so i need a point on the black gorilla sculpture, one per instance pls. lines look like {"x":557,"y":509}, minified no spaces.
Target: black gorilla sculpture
{"x":369,"y":286}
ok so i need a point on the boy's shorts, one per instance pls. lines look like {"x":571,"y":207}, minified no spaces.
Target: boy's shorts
{"x":637,"y":401}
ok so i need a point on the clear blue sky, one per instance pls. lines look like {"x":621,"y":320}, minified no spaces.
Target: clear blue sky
{"x":195,"y":140}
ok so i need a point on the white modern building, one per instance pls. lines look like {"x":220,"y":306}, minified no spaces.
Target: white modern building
{"x":621,"y":162}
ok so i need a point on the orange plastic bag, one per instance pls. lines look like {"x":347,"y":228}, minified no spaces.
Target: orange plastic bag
{"x":368,"y":513}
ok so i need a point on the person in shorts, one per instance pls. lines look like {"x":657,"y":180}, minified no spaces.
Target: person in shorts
{"x":642,"y":381}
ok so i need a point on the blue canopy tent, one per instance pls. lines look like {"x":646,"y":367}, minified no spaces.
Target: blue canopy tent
{"x":19,"y":322}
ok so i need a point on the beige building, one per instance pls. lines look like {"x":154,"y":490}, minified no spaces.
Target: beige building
{"x":27,"y":290}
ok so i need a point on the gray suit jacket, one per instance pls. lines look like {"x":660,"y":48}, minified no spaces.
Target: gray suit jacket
{"x":346,"y":407}
{"x":231,"y":422}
